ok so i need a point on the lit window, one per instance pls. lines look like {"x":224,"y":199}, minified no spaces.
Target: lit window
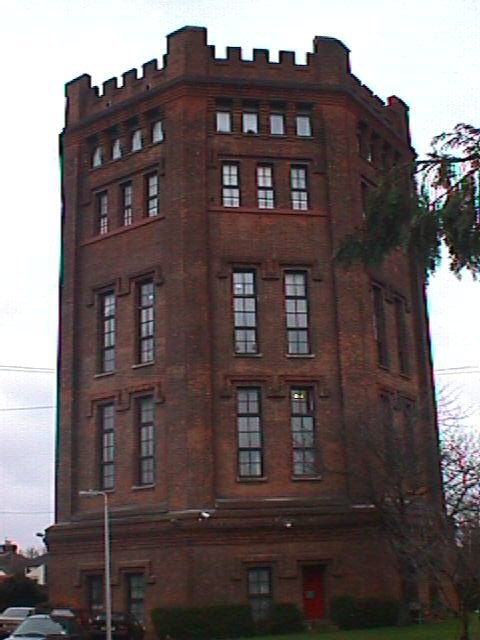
{"x":245,"y":311}
{"x":223,"y":121}
{"x":249,"y":433}
{"x":127,"y":203}
{"x":296,"y":312}
{"x":260,"y":592}
{"x":146,"y":441}
{"x":230,"y":185}
{"x":116,"y":149}
{"x":146,"y":321}
{"x":137,"y":140}
{"x":152,"y":195}
{"x":107,"y":332}
{"x":265,"y":194}
{"x":298,"y":188}
{"x":277,"y":124}
{"x":303,"y":126}
{"x":157,"y":131}
{"x":102,"y":212}
{"x":250,"y":122}
{"x":136,"y":595}
{"x":303,"y":432}
{"x":379,"y":325}
{"x":107,"y":433}
{"x":97,"y":157}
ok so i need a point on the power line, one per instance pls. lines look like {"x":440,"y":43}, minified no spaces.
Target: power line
{"x":50,"y":406}
{"x":22,"y":369}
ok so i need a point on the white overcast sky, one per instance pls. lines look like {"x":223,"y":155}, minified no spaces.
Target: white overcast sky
{"x":424,"y":51}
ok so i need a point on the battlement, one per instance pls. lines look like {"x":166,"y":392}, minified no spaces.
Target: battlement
{"x":188,"y":54}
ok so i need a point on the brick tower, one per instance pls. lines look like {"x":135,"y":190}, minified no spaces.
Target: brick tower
{"x":216,"y":366}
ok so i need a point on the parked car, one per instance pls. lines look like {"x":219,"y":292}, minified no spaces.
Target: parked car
{"x":12,"y":617}
{"x":124,"y":627}
{"x":41,"y":625}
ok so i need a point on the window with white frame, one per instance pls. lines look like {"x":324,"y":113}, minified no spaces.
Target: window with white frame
{"x":152,"y":188}
{"x":244,"y":311}
{"x":302,"y":420}
{"x":259,"y":583}
{"x":298,"y":187}
{"x":102,"y":212}
{"x":127,"y":203}
{"x":277,"y":124}
{"x":223,"y":121}
{"x":107,"y":332}
{"x":106,"y":416}
{"x":146,"y":441}
{"x":97,"y":157}
{"x":117,"y":150}
{"x":296,"y":312}
{"x":230,"y":184}
{"x":137,"y":140}
{"x":136,"y":595}
{"x":146,"y":321}
{"x":157,"y":131}
{"x":250,"y":122}
{"x":303,"y":125}
{"x":265,"y":193}
{"x":249,"y":433}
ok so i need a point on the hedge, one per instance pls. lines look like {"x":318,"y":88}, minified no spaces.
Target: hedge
{"x":361,"y":613}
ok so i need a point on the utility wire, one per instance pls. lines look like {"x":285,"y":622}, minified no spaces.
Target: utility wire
{"x":50,"y":406}
{"x":21,"y":369}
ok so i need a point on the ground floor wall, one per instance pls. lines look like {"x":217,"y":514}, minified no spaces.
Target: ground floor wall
{"x":198,"y":561}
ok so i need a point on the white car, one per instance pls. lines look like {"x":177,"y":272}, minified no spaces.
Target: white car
{"x":12,"y":617}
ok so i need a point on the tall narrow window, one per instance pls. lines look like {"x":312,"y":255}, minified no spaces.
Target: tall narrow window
{"x":223,"y":121}
{"x":127,"y":203}
{"x":277,"y":124}
{"x":146,"y":441}
{"x":152,"y":195}
{"x":409,"y":425}
{"x":303,"y":125}
{"x":298,"y":188}
{"x":250,"y":122}
{"x":102,"y":212}
{"x":107,"y":452}
{"x":296,"y":312}
{"x":157,"y":132}
{"x":97,"y":157}
{"x":303,"y":432}
{"x":260,"y":592}
{"x":391,"y":458}
{"x":136,"y":595}
{"x":95,"y":592}
{"x":265,"y":193}
{"x":137,"y":140}
{"x":230,"y":184}
{"x":146,"y":321}
{"x":116,"y":149}
{"x":249,"y":433}
{"x":245,"y":311}
{"x":401,"y":330}
{"x":379,"y":325}
{"x":107,"y":337}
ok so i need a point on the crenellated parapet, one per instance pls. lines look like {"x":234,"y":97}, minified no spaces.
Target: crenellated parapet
{"x":190,"y":57}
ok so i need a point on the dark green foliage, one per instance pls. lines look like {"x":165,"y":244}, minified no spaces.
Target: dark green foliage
{"x":229,"y":621}
{"x":362,"y":613}
{"x":446,"y":209}
{"x":21,"y":592}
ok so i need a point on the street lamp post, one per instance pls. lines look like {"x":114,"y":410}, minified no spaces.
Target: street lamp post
{"x":108,"y":574}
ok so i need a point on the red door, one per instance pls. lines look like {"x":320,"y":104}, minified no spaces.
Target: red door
{"x":313,"y":593}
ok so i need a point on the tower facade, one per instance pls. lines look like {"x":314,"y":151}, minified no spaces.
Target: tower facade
{"x":217,"y":367}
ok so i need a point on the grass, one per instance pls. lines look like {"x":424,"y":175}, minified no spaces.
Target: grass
{"x":447,"y":630}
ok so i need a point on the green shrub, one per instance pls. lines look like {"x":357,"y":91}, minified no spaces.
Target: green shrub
{"x":285,"y":618}
{"x":362,"y":613}
{"x":205,"y":623}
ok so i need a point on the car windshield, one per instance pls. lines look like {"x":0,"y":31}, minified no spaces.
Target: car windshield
{"x":16,"y":612}
{"x":37,"y":627}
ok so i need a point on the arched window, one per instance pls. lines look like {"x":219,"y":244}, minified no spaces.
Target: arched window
{"x":157,"y":131}
{"x":116,"y":149}
{"x":97,"y":157}
{"x":137,"y":141}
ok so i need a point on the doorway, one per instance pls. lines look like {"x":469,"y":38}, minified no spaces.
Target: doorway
{"x":313,"y":592}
